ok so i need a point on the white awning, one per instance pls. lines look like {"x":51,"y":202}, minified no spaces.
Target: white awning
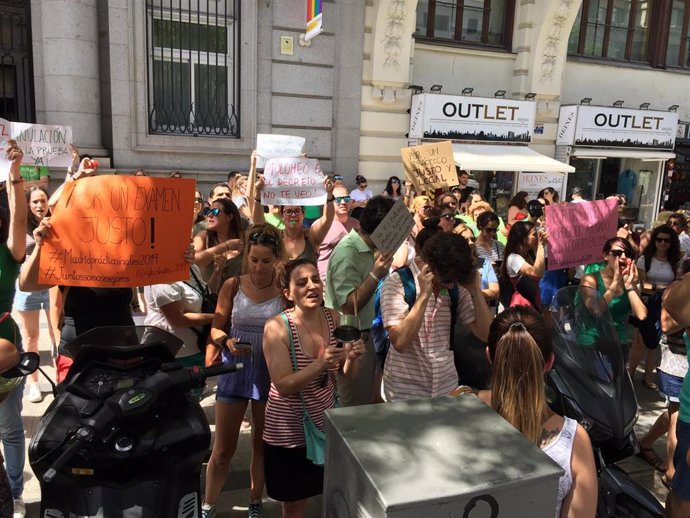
{"x":600,"y":154}
{"x":487,"y":157}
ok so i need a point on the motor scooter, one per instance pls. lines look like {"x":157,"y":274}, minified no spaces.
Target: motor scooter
{"x":589,"y":383}
{"x":124,"y":437}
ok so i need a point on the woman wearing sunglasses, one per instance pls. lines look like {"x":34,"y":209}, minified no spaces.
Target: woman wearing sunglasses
{"x":393,"y":189}
{"x":245,"y":304}
{"x":218,"y":249}
{"x":488,"y":246}
{"x":656,"y":267}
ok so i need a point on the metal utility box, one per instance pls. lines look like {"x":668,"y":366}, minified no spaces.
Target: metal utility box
{"x":449,"y":457}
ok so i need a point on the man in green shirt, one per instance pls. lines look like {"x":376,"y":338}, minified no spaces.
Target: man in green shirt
{"x":354,"y":270}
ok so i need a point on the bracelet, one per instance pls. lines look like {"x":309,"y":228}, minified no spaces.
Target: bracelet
{"x":654,"y":288}
{"x":257,"y":200}
{"x":371,"y":274}
{"x":628,"y":290}
{"x":227,"y":247}
{"x":330,"y":199}
{"x":15,"y":182}
{"x":220,"y":343}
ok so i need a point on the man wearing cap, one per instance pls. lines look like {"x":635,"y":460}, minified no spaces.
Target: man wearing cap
{"x":576,"y":195}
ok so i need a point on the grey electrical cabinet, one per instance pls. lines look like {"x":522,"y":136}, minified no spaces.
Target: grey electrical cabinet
{"x":449,"y":457}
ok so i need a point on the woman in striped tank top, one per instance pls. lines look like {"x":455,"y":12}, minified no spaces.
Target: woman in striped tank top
{"x":290,"y":477}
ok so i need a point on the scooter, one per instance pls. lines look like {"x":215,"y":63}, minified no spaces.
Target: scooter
{"x":124,"y":437}
{"x":589,"y":383}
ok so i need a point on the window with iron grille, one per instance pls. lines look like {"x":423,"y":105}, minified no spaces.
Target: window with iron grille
{"x":193,"y":67}
{"x":16,"y":72}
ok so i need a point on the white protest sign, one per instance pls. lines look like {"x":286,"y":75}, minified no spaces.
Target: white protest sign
{"x":293,"y":181}
{"x":394,"y":229}
{"x":533,"y":183}
{"x":43,"y":145}
{"x":277,"y":146}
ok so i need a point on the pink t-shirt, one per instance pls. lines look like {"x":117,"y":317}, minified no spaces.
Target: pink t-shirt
{"x":335,"y":234}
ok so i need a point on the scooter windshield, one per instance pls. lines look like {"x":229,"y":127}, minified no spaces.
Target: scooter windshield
{"x":583,"y":333}
{"x":122,"y":338}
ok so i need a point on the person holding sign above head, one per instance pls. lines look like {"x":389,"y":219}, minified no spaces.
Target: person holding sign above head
{"x":12,"y":250}
{"x":523,"y":266}
{"x":218,"y":249}
{"x":354,"y":271}
{"x":300,"y":243}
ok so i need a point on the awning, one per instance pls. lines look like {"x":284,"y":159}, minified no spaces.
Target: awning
{"x":487,"y":157}
{"x":600,"y":154}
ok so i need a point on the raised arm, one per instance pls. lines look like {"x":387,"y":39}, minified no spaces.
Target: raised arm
{"x":258,"y":217}
{"x":320,"y":228}
{"x":403,"y":333}
{"x":16,"y":239}
{"x":28,"y":277}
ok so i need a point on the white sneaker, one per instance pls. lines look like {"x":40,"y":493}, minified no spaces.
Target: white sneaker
{"x":35,"y":395}
{"x":19,"y":508}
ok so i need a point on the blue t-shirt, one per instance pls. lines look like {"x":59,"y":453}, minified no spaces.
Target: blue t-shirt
{"x":488,"y":274}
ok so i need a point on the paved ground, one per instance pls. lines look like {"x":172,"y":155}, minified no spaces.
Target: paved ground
{"x":234,"y":499}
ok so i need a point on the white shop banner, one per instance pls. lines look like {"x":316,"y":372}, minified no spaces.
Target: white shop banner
{"x":533,"y":183}
{"x":603,"y":126}
{"x":293,"y":181}
{"x":277,"y":146}
{"x":460,"y":117}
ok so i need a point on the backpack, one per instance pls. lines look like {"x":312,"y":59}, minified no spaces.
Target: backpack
{"x":379,"y":335}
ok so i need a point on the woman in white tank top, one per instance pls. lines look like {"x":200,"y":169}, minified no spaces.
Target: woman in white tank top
{"x":520,"y":350}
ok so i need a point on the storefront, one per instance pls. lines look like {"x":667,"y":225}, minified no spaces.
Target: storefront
{"x":490,"y":140}
{"x":618,"y":151}
{"x":675,"y":194}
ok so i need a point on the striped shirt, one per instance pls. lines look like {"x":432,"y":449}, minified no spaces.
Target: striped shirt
{"x":284,"y":413}
{"x":427,"y":368}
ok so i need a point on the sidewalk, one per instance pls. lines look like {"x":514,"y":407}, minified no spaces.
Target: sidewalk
{"x":235,"y":496}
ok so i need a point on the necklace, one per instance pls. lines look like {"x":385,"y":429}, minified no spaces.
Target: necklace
{"x":262,"y":287}
{"x":311,"y":335}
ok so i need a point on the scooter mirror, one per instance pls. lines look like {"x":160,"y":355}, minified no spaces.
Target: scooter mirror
{"x":28,"y":363}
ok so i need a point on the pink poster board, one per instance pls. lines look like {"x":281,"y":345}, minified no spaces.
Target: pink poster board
{"x":577,"y":231}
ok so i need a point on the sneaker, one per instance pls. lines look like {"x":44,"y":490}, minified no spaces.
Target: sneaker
{"x":35,"y":395}
{"x":255,"y":510}
{"x":208,"y":511}
{"x":19,"y":508}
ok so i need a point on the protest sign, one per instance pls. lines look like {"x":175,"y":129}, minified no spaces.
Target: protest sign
{"x":430,"y":166}
{"x":43,"y":145}
{"x":277,"y":146}
{"x":293,"y":181}
{"x":394,"y":228}
{"x":118,"y":231}
{"x":577,"y":231}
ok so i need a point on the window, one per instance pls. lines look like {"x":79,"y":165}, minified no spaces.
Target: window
{"x":612,"y":29}
{"x":473,"y":22}
{"x":16,"y":79}
{"x":193,"y":67}
{"x":677,"y":49}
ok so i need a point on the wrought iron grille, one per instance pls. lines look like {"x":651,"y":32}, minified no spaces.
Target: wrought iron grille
{"x":193,"y":67}
{"x":16,"y":70}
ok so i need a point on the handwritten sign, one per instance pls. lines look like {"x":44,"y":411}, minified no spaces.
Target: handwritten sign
{"x":577,"y":231}
{"x":394,"y":229}
{"x":533,"y":183}
{"x":277,"y":146}
{"x":43,"y":145}
{"x":293,"y":181}
{"x":117,"y":231}
{"x":430,"y":166}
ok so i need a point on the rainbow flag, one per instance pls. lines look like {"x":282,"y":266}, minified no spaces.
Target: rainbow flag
{"x":314,"y":15}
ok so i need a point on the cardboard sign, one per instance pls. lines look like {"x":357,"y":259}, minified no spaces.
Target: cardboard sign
{"x":118,"y":231}
{"x":277,"y":146}
{"x":394,"y":229}
{"x":293,"y":181}
{"x":577,"y":231}
{"x":430,"y":166}
{"x":43,"y":145}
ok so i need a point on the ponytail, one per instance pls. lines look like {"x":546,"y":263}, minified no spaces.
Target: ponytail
{"x":517,"y":343}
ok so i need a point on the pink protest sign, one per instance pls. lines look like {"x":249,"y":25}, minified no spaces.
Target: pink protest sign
{"x":577,"y":231}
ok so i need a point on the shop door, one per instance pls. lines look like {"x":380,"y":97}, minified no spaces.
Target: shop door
{"x":16,"y":70}
{"x":584,"y":177}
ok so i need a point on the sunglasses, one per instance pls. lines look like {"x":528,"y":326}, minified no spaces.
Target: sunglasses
{"x":427,"y":208}
{"x":675,"y":224}
{"x":447,"y":217}
{"x":212,"y":212}
{"x":260,"y":238}
{"x":617,"y":253}
{"x":663,"y":240}
{"x":292,"y":212}
{"x":395,"y":181}
{"x":198,"y":200}
{"x":490,"y":230}
{"x":338,"y":177}
{"x":341,"y":199}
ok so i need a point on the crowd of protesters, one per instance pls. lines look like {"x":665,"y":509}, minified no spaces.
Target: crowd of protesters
{"x":286,"y":282}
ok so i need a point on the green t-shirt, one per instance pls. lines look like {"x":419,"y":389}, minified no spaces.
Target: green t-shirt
{"x":684,"y":412}
{"x":32,"y":173}
{"x":274,"y":220}
{"x":349,"y":264}
{"x":312,"y":212}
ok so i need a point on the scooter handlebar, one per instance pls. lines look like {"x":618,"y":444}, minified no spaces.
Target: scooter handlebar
{"x":217,"y":370}
{"x":83,"y":435}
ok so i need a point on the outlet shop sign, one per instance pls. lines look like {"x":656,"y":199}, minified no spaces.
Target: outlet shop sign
{"x":460,"y":117}
{"x":602,"y":126}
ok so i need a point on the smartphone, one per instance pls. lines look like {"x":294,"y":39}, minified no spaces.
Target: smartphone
{"x":480,"y":262}
{"x":243,"y":345}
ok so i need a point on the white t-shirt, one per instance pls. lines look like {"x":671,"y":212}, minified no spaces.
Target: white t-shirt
{"x":660,"y":272}
{"x":684,"y":239}
{"x":513,"y":264}
{"x":163,"y":294}
{"x":358,"y":195}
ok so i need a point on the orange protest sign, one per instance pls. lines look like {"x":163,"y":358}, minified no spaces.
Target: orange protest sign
{"x":119,"y":231}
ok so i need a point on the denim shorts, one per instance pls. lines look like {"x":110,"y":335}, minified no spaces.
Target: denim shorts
{"x":681,"y":461}
{"x":669,"y":385}
{"x":31,"y":300}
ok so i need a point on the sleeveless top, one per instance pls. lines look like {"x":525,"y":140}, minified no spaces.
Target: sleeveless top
{"x":620,"y":310}
{"x":560,"y":451}
{"x":247,"y":325}
{"x":308,"y":252}
{"x":284,"y":413}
